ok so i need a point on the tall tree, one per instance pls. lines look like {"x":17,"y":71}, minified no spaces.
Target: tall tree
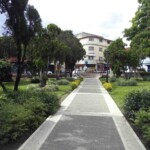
{"x":22,"y":22}
{"x":139,"y":32}
{"x":42,"y":47}
{"x":74,"y":51}
{"x":117,"y":56}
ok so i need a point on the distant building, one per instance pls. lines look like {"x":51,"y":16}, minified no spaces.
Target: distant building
{"x":146,"y":64}
{"x":94,"y":46}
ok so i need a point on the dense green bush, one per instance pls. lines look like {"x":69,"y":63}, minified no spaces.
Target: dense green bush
{"x":51,"y":102}
{"x":24,"y":111}
{"x":107,"y":86}
{"x":51,"y":88}
{"x":74,"y":84}
{"x":5,"y":71}
{"x":138,"y":79}
{"x":113,"y":79}
{"x":81,"y":78}
{"x":12,"y":121}
{"x":123,"y":82}
{"x":142,"y":122}
{"x":136,"y":100}
{"x":37,"y":110}
{"x":63,"y":82}
{"x":70,"y":79}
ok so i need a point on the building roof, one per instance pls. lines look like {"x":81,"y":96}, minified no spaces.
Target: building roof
{"x":83,"y":35}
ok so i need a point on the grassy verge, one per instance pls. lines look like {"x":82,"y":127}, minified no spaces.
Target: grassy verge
{"x":119,"y":92}
{"x":140,"y":121}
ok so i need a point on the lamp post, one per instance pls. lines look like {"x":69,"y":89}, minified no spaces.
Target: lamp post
{"x":107,"y":54}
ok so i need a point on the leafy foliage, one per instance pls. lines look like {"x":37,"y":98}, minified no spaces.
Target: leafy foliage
{"x":5,"y":71}
{"x":116,"y":56}
{"x":142,"y":122}
{"x":74,"y":49}
{"x":107,"y":86}
{"x":123,"y":82}
{"x":139,"y":32}
{"x":63,"y":82}
{"x":135,"y":101}
{"x":21,"y":112}
{"x":7,"y":47}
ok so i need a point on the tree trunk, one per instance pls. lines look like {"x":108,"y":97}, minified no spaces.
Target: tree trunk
{"x":19,"y":67}
{"x":42,"y":84}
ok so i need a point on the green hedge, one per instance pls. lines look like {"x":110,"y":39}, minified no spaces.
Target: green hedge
{"x":123,"y":82}
{"x":21,"y":112}
{"x":142,"y":122}
{"x":135,"y":101}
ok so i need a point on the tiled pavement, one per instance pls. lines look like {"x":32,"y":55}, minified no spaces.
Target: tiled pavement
{"x":88,"y":120}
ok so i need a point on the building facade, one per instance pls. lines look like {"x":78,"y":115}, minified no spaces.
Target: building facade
{"x":94,"y":46}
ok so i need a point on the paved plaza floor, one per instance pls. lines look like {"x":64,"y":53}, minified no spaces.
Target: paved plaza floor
{"x":88,"y":120}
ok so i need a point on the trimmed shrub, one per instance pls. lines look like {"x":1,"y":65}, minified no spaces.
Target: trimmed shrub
{"x":63,"y":82}
{"x":113,"y":79}
{"x":51,"y":102}
{"x":51,"y":88}
{"x":136,"y":100}
{"x":81,"y":78}
{"x":23,"y":111}
{"x":74,"y":85}
{"x":123,"y":82}
{"x":142,"y":122}
{"x":12,"y":121}
{"x":70,"y":79}
{"x":107,"y":86}
{"x":138,"y":79}
{"x":37,"y":110}
{"x":78,"y":81}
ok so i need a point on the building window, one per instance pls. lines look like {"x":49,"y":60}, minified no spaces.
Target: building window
{"x":91,"y":57}
{"x":100,"y":49}
{"x":91,"y":39}
{"x":108,"y":42}
{"x":100,"y":58}
{"x":100,"y":39}
{"x":91,"y":48}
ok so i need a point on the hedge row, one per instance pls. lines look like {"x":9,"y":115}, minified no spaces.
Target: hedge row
{"x":137,"y":110}
{"x":21,"y":112}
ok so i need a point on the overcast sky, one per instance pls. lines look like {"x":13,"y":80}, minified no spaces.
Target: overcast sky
{"x":107,"y":18}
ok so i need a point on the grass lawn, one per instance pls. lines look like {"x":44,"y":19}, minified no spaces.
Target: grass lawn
{"x":118,"y":93}
{"x":63,"y":89}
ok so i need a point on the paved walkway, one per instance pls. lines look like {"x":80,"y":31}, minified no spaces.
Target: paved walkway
{"x":88,"y":120}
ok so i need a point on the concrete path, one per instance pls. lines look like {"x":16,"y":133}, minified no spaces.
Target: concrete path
{"x":88,"y":120}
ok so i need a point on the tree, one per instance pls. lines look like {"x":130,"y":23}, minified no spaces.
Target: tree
{"x":22,"y":22}
{"x":7,"y":47}
{"x":117,"y":56}
{"x":74,"y":50}
{"x":139,"y":32}
{"x":42,"y":47}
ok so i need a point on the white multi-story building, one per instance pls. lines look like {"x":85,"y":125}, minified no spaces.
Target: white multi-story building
{"x":94,"y":46}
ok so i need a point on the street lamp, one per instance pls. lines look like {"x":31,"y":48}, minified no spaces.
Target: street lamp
{"x":107,"y":55}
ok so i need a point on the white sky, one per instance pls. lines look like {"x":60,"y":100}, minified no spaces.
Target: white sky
{"x":107,"y":18}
